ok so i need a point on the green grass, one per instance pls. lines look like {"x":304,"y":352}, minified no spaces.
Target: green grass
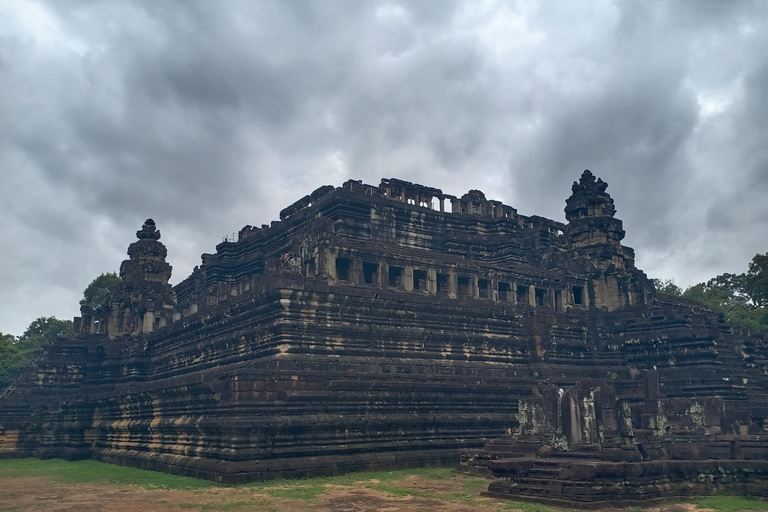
{"x":87,"y":471}
{"x":474,"y":484}
{"x":726,"y":503}
{"x":527,"y":507}
{"x":308,"y":489}
{"x":304,"y":489}
{"x":354,"y":479}
{"x":263,"y":505}
{"x":467,"y":493}
{"x":296,"y":492}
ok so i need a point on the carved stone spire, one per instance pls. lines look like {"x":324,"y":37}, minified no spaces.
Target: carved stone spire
{"x":148,"y":231}
{"x":147,"y":259}
{"x":589,"y":199}
{"x":145,"y":298}
{"x":590,"y":213}
{"x":594,"y":237}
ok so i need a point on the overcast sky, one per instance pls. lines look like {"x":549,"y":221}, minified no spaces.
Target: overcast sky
{"x":207,"y":116}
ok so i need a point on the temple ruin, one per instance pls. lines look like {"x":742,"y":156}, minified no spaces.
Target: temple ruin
{"x":398,"y":326}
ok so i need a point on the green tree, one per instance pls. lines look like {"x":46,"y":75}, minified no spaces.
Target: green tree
{"x":667,"y":286}
{"x":43,"y":331}
{"x":729,"y":294}
{"x":96,"y":294}
{"x":17,"y":353}
{"x":755,"y":281}
{"x":10,"y":358}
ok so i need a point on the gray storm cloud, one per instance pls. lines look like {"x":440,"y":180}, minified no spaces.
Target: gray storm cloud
{"x":207,"y":116}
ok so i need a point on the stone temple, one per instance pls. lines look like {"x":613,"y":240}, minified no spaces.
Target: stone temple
{"x":398,"y":326}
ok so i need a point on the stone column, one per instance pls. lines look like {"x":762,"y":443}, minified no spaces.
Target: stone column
{"x":432,"y":281}
{"x":356,"y":272}
{"x":408,"y":278}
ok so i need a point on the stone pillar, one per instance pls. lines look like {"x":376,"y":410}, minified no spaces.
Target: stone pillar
{"x":149,"y":322}
{"x":324,"y":263}
{"x":356,"y":272}
{"x":408,"y":278}
{"x":452,"y":284}
{"x":432,"y":281}
{"x":571,"y":414}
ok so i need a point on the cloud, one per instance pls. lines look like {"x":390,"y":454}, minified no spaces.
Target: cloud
{"x":209,"y":116}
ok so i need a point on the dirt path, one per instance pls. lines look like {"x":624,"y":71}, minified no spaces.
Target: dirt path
{"x":411,"y":494}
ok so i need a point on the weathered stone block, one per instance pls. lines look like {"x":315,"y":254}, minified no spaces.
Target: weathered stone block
{"x":367,"y":329}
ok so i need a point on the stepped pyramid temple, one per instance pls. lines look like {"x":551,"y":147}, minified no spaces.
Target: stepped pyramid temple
{"x":398,"y":326}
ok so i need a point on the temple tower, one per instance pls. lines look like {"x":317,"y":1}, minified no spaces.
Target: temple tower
{"x":594,"y":239}
{"x":590,"y":214}
{"x":145,"y":300}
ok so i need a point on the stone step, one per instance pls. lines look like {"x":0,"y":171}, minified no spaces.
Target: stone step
{"x":576,"y":455}
{"x":544,"y":463}
{"x":547,"y":473}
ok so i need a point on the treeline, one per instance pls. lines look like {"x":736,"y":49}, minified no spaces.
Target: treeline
{"x":741,"y":298}
{"x":16,"y":352}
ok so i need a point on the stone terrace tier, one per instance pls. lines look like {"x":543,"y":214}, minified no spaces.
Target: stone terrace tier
{"x":370,"y":327}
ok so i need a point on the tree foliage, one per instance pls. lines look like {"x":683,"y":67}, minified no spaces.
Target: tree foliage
{"x":43,"y":331}
{"x":96,"y":294}
{"x":667,"y":286}
{"x":742,"y":298}
{"x":17,"y":352}
{"x":755,"y":281}
{"x":11,"y":358}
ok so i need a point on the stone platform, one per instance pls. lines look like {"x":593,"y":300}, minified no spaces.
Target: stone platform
{"x":593,"y":447}
{"x":372,"y":327}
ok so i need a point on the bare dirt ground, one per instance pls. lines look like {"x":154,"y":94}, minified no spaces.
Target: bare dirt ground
{"x":410,"y":494}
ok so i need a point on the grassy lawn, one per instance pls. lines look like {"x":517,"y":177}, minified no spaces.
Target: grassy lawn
{"x":91,"y":471}
{"x":442,"y":484}
{"x":725,"y":503}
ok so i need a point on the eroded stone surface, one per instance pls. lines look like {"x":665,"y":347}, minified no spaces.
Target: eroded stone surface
{"x":371,"y":327}
{"x":599,"y":444}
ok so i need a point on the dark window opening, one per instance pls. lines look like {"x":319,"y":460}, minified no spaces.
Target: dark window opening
{"x":578,"y":295}
{"x":522,"y":295}
{"x":343,"y":266}
{"x":309,"y":267}
{"x":463,"y":285}
{"x":420,"y":280}
{"x":503,"y":291}
{"x":370,"y":273}
{"x":395,"y":277}
{"x":541,"y":297}
{"x":442,"y":283}
{"x":483,"y":289}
